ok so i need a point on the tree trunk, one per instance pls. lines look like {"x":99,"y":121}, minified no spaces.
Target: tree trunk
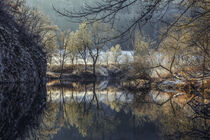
{"x":72,"y":62}
{"x":85,"y":65}
{"x":61,"y":74}
{"x":94,"y":63}
{"x":62,"y":67}
{"x":62,"y":63}
{"x":94,"y":68}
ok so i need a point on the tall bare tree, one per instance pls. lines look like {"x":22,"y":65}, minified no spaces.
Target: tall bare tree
{"x":146,"y":11}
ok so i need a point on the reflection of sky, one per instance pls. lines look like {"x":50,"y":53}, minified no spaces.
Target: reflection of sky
{"x":135,"y":120}
{"x":102,"y":96}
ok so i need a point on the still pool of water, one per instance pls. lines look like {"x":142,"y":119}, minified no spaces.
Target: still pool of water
{"x":102,"y":111}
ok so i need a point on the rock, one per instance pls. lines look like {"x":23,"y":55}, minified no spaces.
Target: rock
{"x":170,"y":85}
{"x":21,"y":59}
{"x":159,"y":97}
{"x":21,"y":106}
{"x":102,"y":71}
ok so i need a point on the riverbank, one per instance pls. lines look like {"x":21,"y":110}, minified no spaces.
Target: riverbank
{"x":77,"y":73}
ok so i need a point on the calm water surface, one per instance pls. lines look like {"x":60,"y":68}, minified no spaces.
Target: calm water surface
{"x":102,"y":111}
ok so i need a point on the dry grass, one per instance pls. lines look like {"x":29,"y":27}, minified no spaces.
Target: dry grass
{"x":68,"y":68}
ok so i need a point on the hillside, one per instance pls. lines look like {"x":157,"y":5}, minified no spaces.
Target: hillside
{"x":21,"y":59}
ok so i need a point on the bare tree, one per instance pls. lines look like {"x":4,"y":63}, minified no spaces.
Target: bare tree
{"x":62,"y":41}
{"x":109,"y":11}
{"x":83,"y":42}
{"x":99,"y":33}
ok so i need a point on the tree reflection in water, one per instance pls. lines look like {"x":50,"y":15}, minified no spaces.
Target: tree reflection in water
{"x":90,"y":111}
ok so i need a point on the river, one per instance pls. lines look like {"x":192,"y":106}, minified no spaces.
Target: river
{"x":99,"y":111}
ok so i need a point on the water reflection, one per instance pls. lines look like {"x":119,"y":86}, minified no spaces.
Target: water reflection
{"x":104,"y":111}
{"x":92,"y":111}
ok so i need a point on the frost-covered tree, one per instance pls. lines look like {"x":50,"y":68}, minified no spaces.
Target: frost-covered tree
{"x":50,"y":44}
{"x":38,"y":25}
{"x":141,"y":49}
{"x":72,"y":47}
{"x":106,"y":57}
{"x":100,"y":33}
{"x":141,"y":64}
{"x":83,"y":37}
{"x":62,"y":42}
{"x":91,"y":40}
{"x":116,"y":52}
{"x":141,"y":46}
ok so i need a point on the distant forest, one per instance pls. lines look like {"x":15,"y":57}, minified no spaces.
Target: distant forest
{"x":150,"y":29}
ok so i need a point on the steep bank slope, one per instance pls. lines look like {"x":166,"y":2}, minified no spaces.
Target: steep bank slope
{"x":21,"y":59}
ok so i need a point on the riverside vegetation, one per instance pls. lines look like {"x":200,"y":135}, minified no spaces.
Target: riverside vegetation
{"x":122,"y":69}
